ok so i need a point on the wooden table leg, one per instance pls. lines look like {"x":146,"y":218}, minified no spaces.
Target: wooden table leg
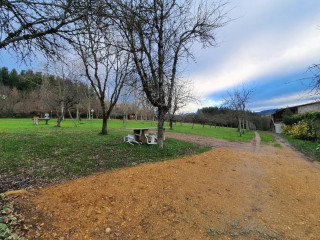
{"x":143,"y":136}
{"x":136,"y":133}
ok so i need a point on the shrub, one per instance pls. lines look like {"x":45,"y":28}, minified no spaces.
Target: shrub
{"x":286,"y":128}
{"x":302,"y":130}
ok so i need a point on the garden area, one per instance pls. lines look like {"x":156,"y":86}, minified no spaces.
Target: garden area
{"x":303,"y":132}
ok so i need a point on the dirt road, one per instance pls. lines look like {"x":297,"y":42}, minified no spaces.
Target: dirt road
{"x":245,"y":191}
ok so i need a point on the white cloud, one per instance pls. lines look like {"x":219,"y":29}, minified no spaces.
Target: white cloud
{"x":193,"y":107}
{"x":285,"y":100}
{"x":276,"y":49}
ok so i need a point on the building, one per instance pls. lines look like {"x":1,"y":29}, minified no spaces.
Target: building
{"x":276,"y":118}
{"x":300,"y":109}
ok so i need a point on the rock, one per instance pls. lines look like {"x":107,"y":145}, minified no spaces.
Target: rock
{"x":108,"y":230}
{"x":16,"y":192}
{"x":234,"y":234}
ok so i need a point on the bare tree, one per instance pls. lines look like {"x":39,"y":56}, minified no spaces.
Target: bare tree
{"x":181,"y":97}
{"x":237,"y":101}
{"x":315,"y":78}
{"x":59,"y":93}
{"x":106,"y":66}
{"x":37,"y":24}
{"x":159,"y":34}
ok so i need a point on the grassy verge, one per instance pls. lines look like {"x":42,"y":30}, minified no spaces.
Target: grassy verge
{"x":268,"y":139}
{"x":215,"y":132}
{"x":307,"y":147}
{"x":33,"y":155}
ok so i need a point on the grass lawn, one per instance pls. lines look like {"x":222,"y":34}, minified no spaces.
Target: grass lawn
{"x":215,"y":132}
{"x":307,"y":147}
{"x":42,"y":151}
{"x":29,"y":152}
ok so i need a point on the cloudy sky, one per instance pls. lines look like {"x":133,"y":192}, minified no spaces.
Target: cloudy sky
{"x":267,"y":47}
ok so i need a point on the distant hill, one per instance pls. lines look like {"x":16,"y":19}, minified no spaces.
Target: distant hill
{"x":269,"y":111}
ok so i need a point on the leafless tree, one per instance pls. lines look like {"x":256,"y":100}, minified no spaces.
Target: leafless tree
{"x":182,"y":95}
{"x":59,"y":92}
{"x":106,"y":66}
{"x":37,"y":24}
{"x":314,"y":84}
{"x":124,"y":105}
{"x":237,"y":101}
{"x":159,"y":34}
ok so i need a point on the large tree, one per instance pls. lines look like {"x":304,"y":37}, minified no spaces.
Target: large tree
{"x":159,"y":35}
{"x":315,"y":78}
{"x":37,"y":24}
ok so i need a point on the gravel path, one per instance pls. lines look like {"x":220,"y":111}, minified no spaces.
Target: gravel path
{"x":235,"y":191}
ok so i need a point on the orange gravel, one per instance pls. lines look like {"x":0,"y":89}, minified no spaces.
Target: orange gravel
{"x":225,"y":193}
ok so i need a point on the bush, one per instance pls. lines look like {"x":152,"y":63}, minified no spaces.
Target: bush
{"x":302,"y":130}
{"x":286,"y":128}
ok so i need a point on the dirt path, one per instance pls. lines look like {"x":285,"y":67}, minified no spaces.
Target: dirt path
{"x":253,"y":146}
{"x":245,"y":191}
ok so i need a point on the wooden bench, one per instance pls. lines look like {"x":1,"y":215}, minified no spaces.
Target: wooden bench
{"x":37,"y":119}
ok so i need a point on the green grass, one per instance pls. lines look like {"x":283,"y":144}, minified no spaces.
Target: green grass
{"x":266,"y":137}
{"x":307,"y":147}
{"x":45,"y":151}
{"x":277,"y":145}
{"x":215,"y":132}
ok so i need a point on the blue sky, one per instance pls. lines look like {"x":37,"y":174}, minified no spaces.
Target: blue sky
{"x":267,"y":47}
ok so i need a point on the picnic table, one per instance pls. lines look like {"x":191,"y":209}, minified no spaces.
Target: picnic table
{"x":142,"y":135}
{"x":36,"y":119}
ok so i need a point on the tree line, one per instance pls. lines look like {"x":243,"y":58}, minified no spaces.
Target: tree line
{"x":225,"y":117}
{"x":28,"y":94}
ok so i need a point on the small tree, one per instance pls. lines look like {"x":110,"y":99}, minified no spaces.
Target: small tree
{"x":182,"y":96}
{"x":237,"y":101}
{"x":106,"y":66}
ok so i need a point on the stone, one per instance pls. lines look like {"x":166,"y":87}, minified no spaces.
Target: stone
{"x":234,"y":234}
{"x":108,"y":230}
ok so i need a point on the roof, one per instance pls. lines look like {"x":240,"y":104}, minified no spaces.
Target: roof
{"x":301,"y":105}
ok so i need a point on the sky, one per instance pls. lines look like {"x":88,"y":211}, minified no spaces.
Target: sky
{"x":267,"y":47}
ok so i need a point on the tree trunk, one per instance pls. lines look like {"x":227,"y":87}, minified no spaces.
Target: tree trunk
{"x":60,"y":118}
{"x":72,"y":118}
{"x":161,"y":116}
{"x":239,"y":126}
{"x":104,"y":130}
{"x":62,"y":112}
{"x":243,"y":126}
{"x":124,"y":119}
{"x":78,"y":115}
{"x":170,"y":123}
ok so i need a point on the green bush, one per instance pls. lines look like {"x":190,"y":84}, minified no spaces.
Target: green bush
{"x":302,"y":130}
{"x":286,"y":128}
